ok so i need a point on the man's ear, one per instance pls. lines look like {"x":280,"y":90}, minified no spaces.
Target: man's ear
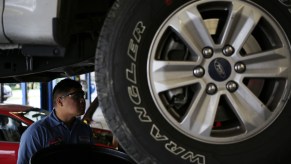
{"x":59,"y":102}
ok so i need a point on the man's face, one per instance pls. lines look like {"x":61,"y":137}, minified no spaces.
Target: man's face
{"x":73,"y":102}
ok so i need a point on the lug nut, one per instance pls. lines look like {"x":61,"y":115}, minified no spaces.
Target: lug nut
{"x":231,"y":86}
{"x":207,"y":52}
{"x":211,"y":89}
{"x":198,"y":71}
{"x":228,"y":50}
{"x":240,"y":67}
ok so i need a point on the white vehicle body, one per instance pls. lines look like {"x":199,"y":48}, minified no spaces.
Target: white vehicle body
{"x":34,"y":19}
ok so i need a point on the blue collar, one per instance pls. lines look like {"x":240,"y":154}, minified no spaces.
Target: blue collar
{"x":54,"y":121}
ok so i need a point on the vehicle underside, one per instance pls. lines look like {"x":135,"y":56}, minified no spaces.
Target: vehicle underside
{"x":75,"y":32}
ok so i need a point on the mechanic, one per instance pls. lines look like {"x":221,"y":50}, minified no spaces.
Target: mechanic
{"x":61,"y":126}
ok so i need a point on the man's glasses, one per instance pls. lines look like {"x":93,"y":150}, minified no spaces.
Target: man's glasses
{"x":77,"y":95}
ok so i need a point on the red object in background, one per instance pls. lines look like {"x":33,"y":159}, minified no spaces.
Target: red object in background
{"x":14,"y":119}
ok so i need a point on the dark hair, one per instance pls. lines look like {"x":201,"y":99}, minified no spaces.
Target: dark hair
{"x":63,"y":87}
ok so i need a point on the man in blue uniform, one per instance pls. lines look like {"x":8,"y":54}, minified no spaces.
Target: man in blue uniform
{"x":61,"y":126}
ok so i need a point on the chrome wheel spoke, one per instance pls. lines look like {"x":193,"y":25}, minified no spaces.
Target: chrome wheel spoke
{"x":240,"y":25}
{"x":189,"y":26}
{"x":166,"y":76}
{"x":200,"y":118}
{"x":251,"y":112}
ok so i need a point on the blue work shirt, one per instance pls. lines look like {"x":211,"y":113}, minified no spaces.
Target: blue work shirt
{"x":51,"y":131}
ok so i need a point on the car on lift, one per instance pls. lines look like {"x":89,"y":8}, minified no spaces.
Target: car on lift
{"x":14,"y":119}
{"x":179,"y":81}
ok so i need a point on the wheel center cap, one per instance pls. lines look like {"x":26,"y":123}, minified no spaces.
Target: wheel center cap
{"x":219,"y":69}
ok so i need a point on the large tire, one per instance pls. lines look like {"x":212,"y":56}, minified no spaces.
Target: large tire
{"x":203,"y":82}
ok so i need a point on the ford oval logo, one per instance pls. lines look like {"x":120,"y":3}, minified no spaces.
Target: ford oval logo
{"x":219,"y":69}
